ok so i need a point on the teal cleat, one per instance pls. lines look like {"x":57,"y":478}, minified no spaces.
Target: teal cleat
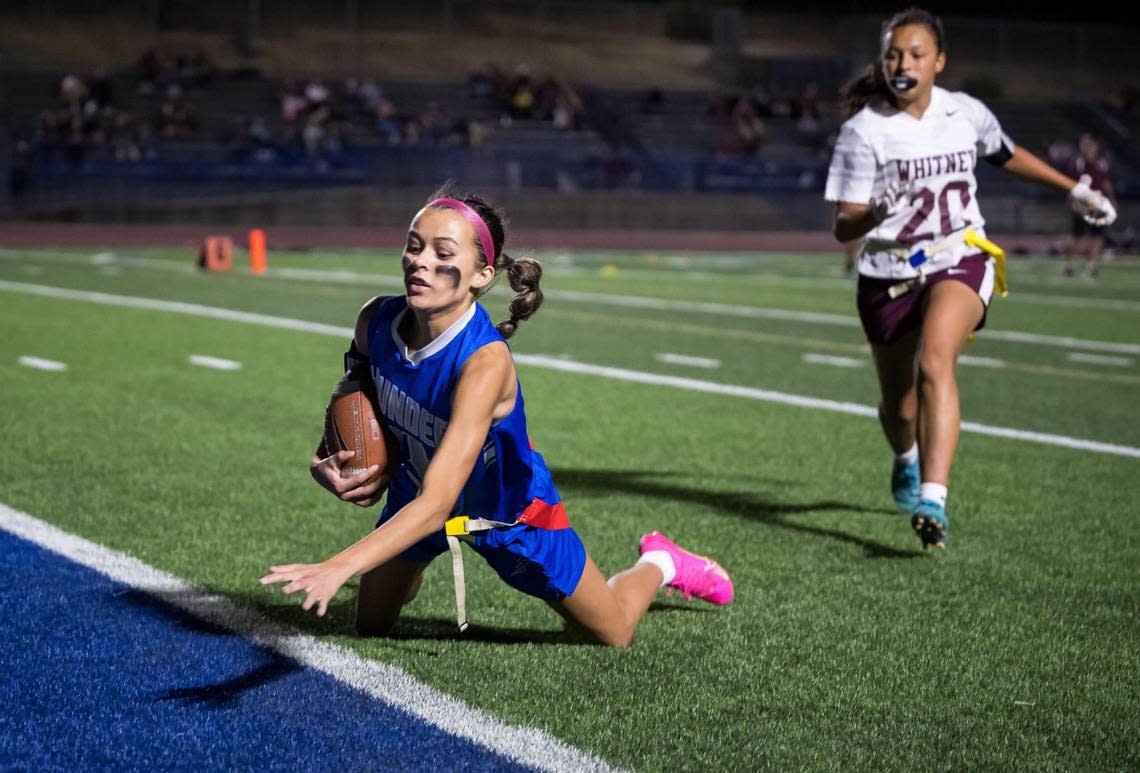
{"x":931,"y":524}
{"x":905,"y":481}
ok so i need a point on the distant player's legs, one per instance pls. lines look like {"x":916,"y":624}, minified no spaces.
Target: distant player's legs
{"x":611,"y":610}
{"x":383,"y":593}
{"x":1096,"y":247}
{"x":850,"y":253}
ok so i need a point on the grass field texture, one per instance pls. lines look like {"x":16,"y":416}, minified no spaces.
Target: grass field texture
{"x":847,"y":646}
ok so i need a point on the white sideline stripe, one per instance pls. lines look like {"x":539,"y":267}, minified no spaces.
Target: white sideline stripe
{"x":177,"y":307}
{"x":642,"y":302}
{"x":554,"y":267}
{"x":553,"y":363}
{"x":812,"y":402}
{"x":214,"y":362}
{"x":1080,"y":303}
{"x":684,"y":359}
{"x":41,"y":364}
{"x":390,"y":684}
{"x":981,"y":362}
{"x":830,"y":359}
{"x":706,"y":307}
{"x":1099,"y":359}
{"x":1064,"y":342}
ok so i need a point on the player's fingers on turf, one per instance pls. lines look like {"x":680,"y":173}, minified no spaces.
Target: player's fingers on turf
{"x":310,"y":599}
{"x":323,"y":608}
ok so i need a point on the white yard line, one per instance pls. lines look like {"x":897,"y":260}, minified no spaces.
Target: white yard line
{"x":558,"y":364}
{"x":981,"y":362}
{"x":217,"y":363}
{"x":831,"y":359}
{"x":41,"y":364}
{"x":390,"y":684}
{"x":1100,"y":359}
{"x":684,"y":359}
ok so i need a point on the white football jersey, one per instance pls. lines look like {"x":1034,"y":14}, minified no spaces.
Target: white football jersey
{"x":936,"y":155}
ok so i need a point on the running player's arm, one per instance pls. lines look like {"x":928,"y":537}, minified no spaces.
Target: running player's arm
{"x":1021,"y":163}
{"x":850,"y":184}
{"x":853,"y":221}
{"x":484,"y":385}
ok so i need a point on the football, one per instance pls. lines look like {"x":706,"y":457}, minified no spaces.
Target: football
{"x":351,"y":424}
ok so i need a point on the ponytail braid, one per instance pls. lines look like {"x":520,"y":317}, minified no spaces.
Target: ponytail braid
{"x":524,"y":275}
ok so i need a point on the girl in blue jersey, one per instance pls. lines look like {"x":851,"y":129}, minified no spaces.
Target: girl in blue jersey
{"x":445,"y":384}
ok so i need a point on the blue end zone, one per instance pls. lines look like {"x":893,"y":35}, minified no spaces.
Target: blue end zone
{"x":94,"y":674}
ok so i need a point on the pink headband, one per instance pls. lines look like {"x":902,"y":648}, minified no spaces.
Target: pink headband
{"x":472,"y":217}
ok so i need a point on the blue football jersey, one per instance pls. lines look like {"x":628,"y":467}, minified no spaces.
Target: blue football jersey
{"x":414,"y":396}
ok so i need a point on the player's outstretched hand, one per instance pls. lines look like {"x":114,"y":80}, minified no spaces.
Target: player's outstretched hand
{"x":320,"y":582}
{"x":364,"y":489}
{"x":1092,"y":205}
{"x":895,"y":198}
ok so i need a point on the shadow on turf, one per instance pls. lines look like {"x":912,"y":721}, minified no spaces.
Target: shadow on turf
{"x":222,"y":694}
{"x":753,"y":506}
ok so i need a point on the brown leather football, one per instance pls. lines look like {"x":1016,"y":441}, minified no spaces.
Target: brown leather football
{"x":351,"y":424}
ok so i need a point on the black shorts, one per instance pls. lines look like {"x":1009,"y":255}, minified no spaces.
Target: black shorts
{"x":1082,"y":227}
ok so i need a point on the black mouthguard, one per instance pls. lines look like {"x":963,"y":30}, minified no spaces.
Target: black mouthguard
{"x":903,"y":82}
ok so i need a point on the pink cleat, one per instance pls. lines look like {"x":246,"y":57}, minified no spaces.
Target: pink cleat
{"x":696,"y":575}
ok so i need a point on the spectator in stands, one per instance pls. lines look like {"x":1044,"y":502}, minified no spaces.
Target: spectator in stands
{"x":522,"y":94}
{"x":411,"y":131}
{"x":99,"y":89}
{"x":125,"y":145}
{"x":1122,"y":103}
{"x":433,"y":123}
{"x":72,"y":91}
{"x":292,"y":101}
{"x":151,"y":72}
{"x":809,"y":112}
{"x":316,"y":94}
{"x":1059,"y":153}
{"x":176,"y":118}
{"x":388,"y":124}
{"x":480,"y":84}
{"x":761,"y":100}
{"x":750,"y":130}
{"x":196,"y":71}
{"x":1091,"y":166}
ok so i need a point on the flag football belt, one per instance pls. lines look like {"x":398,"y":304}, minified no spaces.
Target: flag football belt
{"x":543,"y":516}
{"x":970,"y":237}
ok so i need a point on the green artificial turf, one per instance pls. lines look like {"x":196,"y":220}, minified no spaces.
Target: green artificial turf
{"x":847,"y":646}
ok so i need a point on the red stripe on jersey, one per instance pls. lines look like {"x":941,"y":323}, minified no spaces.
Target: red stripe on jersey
{"x":545,"y":516}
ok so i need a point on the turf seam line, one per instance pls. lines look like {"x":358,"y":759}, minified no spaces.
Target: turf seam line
{"x":552,"y":363}
{"x":390,"y":684}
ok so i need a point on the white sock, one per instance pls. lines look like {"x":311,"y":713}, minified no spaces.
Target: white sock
{"x":663,"y":561}
{"x":935,"y":492}
{"x":908,"y":457}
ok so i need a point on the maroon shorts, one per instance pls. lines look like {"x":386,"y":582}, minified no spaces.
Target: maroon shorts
{"x":887,"y":319}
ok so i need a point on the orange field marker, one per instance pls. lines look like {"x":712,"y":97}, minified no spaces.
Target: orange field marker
{"x":257,"y":260}
{"x":217,"y":253}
